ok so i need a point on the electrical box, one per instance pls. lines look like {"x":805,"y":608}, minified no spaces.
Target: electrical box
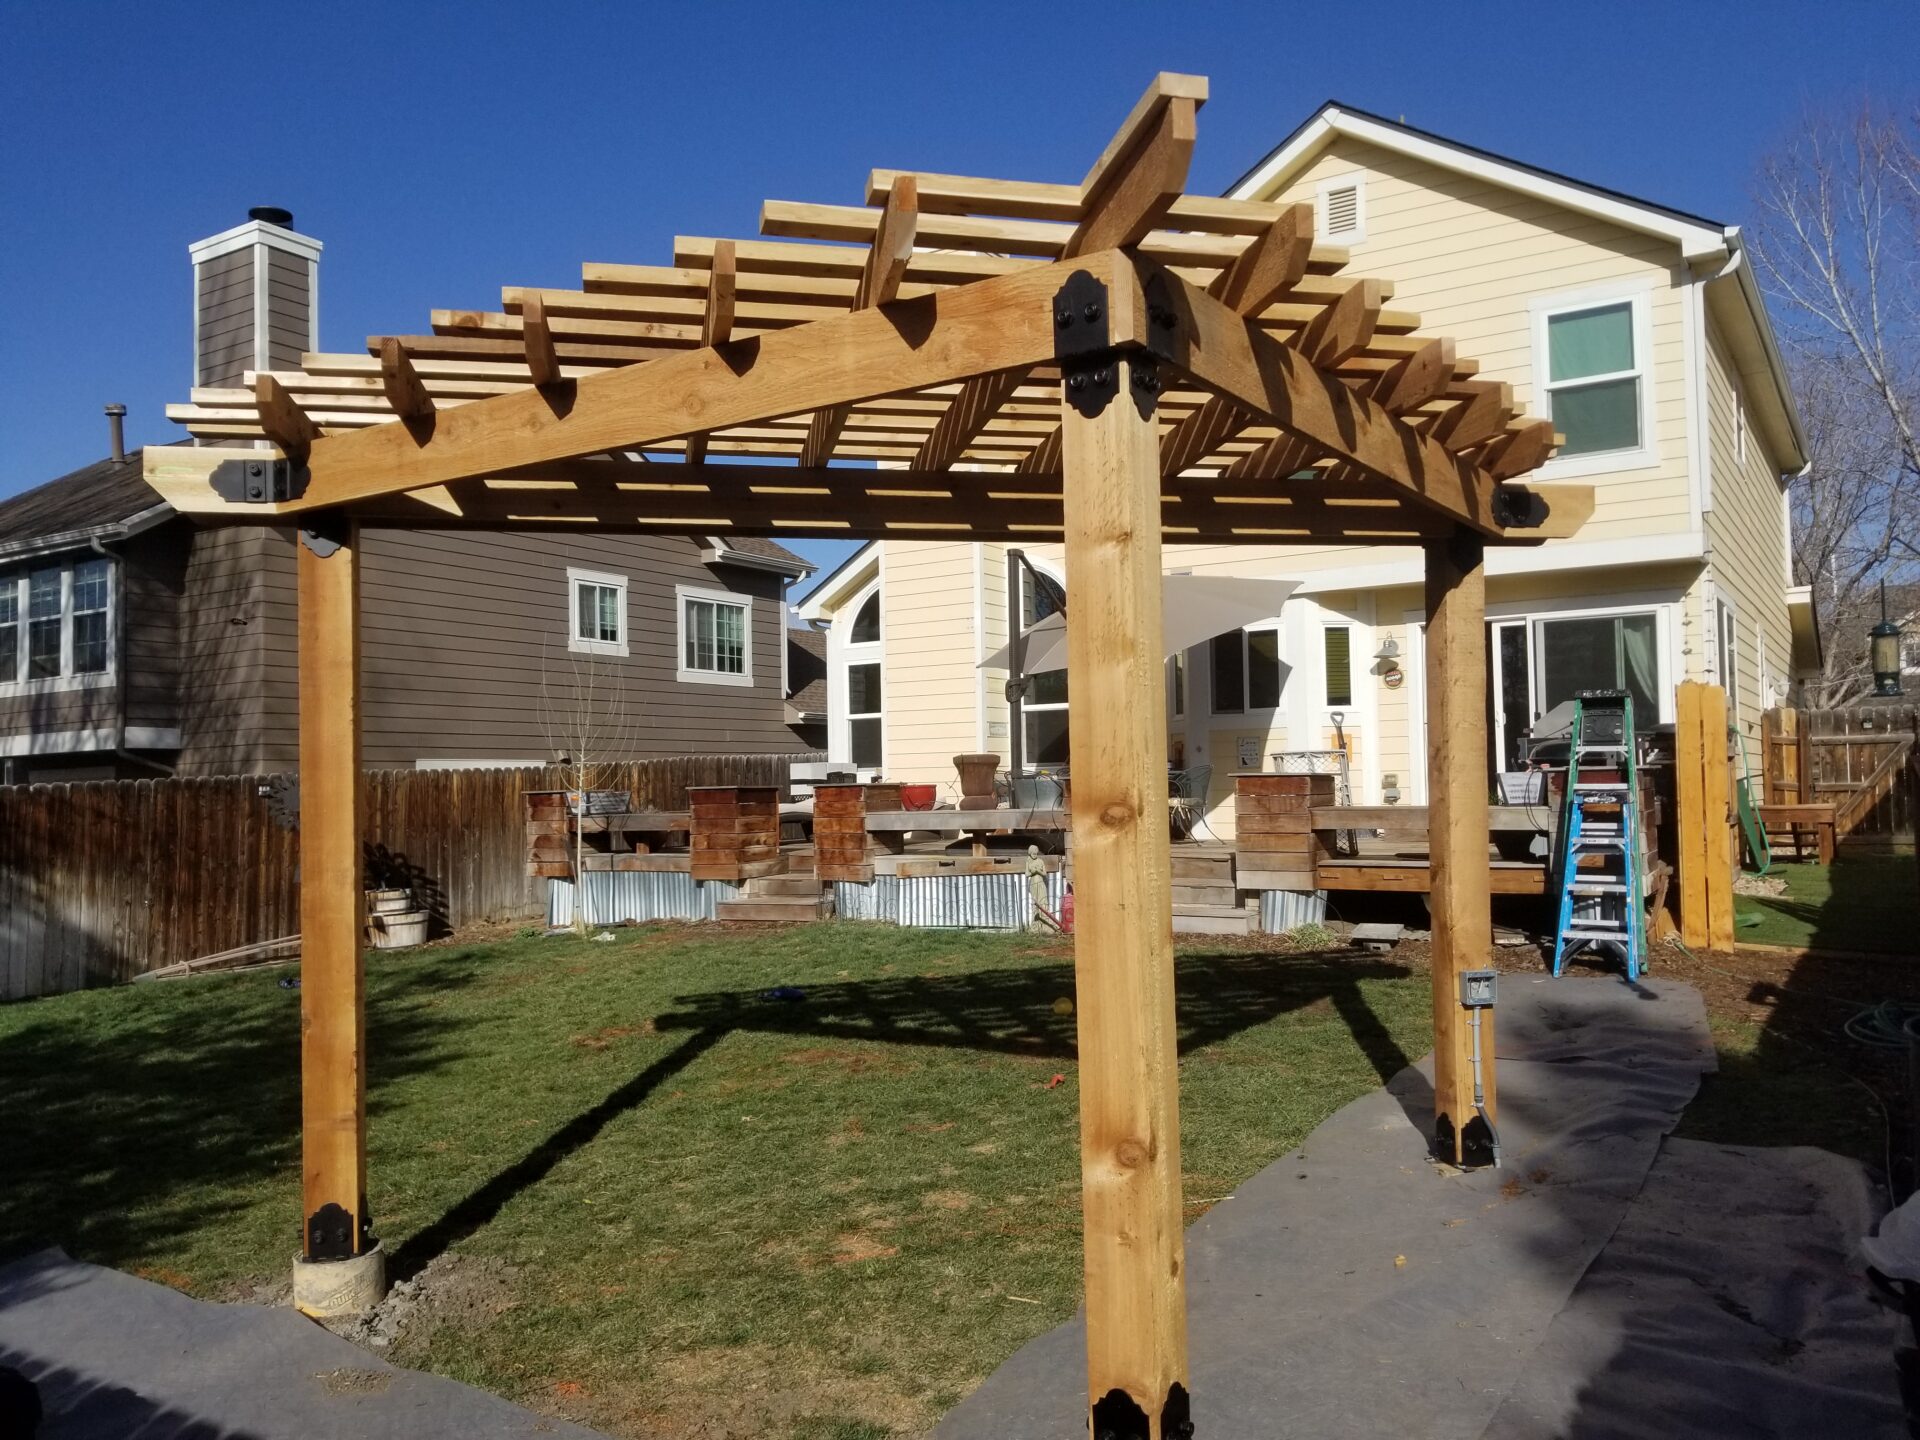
{"x":1477,"y":988}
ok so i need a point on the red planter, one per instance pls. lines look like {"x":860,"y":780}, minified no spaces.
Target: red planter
{"x":917,"y":797}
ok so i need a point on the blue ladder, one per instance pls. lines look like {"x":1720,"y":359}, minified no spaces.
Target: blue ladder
{"x":1601,"y":899}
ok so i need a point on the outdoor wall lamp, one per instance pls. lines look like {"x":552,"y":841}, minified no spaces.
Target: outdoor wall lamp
{"x":1387,"y":663}
{"x":1884,"y":651}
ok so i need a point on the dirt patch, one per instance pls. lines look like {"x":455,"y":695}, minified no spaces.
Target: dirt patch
{"x":355,"y":1382}
{"x":746,"y":1393}
{"x":601,"y":1039}
{"x":947,"y":1200}
{"x":852,"y":1249}
{"x":468,"y":1293}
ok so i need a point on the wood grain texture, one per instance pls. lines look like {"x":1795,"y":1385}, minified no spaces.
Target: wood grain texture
{"x":1456,"y":593}
{"x":333,"y":1010}
{"x":1123,"y":940}
{"x":1717,"y":803}
{"x":1689,"y":786}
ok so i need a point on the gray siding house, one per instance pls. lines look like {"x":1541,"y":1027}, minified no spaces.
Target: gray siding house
{"x":135,"y":643}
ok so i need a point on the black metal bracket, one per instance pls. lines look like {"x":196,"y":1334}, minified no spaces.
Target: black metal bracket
{"x":330,"y":1233}
{"x":324,"y":532}
{"x":1516,"y":508}
{"x":265,"y":481}
{"x":1090,"y":364}
{"x":1117,"y":1416}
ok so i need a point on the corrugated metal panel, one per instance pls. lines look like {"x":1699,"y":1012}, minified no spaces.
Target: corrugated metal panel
{"x":1284,"y":910}
{"x":947,"y":902}
{"x":616,"y":896}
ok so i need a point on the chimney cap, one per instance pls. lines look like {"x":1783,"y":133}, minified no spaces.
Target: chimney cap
{"x":116,"y":409}
{"x":271,"y":215}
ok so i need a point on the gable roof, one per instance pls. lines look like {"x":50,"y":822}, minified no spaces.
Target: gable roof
{"x":1702,"y":242}
{"x":106,"y":499}
{"x":832,"y":591}
{"x":756,"y":553}
{"x":807,"y":671}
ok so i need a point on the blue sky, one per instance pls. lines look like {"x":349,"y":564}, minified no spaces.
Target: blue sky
{"x":443,"y":150}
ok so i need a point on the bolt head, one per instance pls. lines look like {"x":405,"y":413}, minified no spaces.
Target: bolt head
{"x":1092,"y":312}
{"x":1102,"y":375}
{"x":1077,"y":381}
{"x":1063,"y":317}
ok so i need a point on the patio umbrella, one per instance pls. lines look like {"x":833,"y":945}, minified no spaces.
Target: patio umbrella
{"x":1193,"y":608}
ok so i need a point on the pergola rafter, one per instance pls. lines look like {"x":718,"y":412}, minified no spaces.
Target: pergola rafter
{"x":1113,"y":364}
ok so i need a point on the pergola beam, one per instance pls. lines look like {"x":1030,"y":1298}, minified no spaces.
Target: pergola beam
{"x":1000,"y":324}
{"x":1220,"y":350}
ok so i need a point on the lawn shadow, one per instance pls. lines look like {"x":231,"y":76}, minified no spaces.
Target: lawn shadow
{"x":1013,"y":1011}
{"x":480,"y":1206}
{"x":123,"y":1132}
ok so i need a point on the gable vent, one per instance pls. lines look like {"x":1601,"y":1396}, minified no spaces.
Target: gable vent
{"x":1340,"y":212}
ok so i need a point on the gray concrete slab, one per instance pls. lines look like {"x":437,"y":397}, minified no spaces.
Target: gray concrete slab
{"x":1354,"y":1290}
{"x":117,"y":1357}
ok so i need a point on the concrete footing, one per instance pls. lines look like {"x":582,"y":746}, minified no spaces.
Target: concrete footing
{"x":340,"y":1289}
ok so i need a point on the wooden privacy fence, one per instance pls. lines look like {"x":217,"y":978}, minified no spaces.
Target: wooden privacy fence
{"x":1853,"y":760}
{"x":103,"y":881}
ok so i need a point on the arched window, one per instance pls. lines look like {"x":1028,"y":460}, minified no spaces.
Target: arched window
{"x":866,"y":625}
{"x":859,"y":660}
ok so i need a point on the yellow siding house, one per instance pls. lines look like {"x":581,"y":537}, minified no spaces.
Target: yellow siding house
{"x":1638,"y":328}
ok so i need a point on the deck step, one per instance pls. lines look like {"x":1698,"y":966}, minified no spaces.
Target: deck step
{"x":775,"y":909}
{"x":1203,"y":866}
{"x":1190,"y":892}
{"x":1212,"y":920}
{"x":784,"y":885}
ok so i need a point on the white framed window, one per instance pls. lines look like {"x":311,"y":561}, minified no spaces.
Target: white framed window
{"x":1337,"y":662}
{"x":1617,"y":651}
{"x":1340,"y":210}
{"x":597,"y":612}
{"x":1043,"y":709}
{"x":1177,"y":683}
{"x":1247,"y":671}
{"x":716,"y":636}
{"x":856,"y":690}
{"x":56,"y":626}
{"x":1592,"y":365}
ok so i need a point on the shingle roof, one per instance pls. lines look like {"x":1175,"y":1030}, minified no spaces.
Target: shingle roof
{"x":98,"y":496}
{"x":765,"y":550}
{"x":807,"y":671}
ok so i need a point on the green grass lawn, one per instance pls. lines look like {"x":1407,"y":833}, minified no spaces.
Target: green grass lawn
{"x":1863,"y":901}
{"x":697,"y":1206}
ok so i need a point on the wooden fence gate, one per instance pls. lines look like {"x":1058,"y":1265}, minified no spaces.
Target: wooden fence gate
{"x":1854,"y":759}
{"x":103,"y":881}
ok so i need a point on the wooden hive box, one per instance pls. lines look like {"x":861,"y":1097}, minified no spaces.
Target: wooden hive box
{"x":1277,"y":847}
{"x":549,"y":848}
{"x":735,"y":831}
{"x":840,"y":847}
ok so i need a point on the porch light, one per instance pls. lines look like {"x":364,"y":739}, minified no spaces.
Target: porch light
{"x":1884,"y":651}
{"x":1389,"y":651}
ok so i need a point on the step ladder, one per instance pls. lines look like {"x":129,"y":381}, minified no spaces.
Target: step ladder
{"x":1600,"y":862}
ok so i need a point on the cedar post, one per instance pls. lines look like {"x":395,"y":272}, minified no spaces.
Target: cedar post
{"x":333,"y":1013}
{"x":1123,"y":940}
{"x":1457,"y":842}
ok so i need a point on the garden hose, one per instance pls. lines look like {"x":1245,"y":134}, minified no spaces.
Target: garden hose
{"x":1750,"y":825}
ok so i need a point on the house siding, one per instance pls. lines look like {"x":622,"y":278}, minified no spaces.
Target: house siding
{"x":225,"y":320}
{"x":224,"y":635}
{"x":929,"y":655}
{"x":1745,"y":529}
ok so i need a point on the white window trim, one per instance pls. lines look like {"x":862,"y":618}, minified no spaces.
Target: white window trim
{"x":1352,"y":701}
{"x":684,"y":593}
{"x":1354,"y":236}
{"x":18,"y":683}
{"x":843,"y":654}
{"x":1639,"y":293}
{"x":577,"y":578}
{"x":1726,"y":648}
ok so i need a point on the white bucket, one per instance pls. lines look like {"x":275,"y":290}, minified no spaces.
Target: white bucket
{"x":389,"y":902}
{"x":397,"y":931}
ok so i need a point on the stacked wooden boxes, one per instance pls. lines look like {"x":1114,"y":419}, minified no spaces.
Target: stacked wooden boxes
{"x":840,"y":849}
{"x":549,"y":835}
{"x":736,"y":831}
{"x":1277,"y":845}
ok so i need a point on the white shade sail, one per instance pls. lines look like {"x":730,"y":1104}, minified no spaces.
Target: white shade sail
{"x":1193,"y":608}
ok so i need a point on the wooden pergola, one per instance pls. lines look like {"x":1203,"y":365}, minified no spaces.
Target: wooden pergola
{"x":1113,"y":363}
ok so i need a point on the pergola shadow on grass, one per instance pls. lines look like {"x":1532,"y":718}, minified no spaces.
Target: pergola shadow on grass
{"x":1112,"y":364}
{"x":1006,"y":1011}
